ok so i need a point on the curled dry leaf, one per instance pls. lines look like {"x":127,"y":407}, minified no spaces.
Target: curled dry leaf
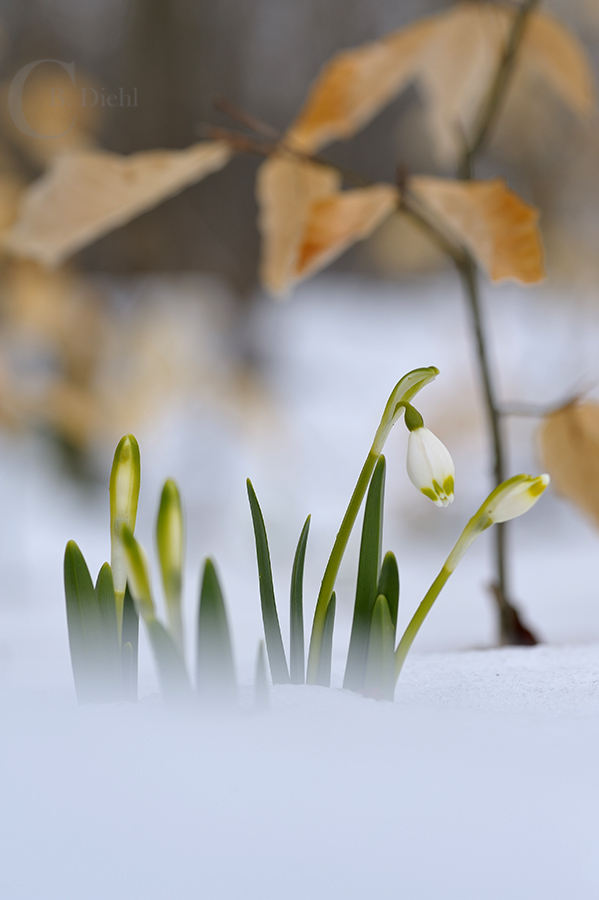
{"x":306,"y":221}
{"x":356,"y":84}
{"x":556,"y":55}
{"x":569,"y":441}
{"x":286,"y":187}
{"x":456,"y":69}
{"x":498,"y":228}
{"x":338,"y":221}
{"x":453,"y":57}
{"x":84,"y":195}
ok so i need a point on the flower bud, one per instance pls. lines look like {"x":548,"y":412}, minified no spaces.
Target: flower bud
{"x":125,"y":479}
{"x":514,"y":497}
{"x":430,"y":466}
{"x":138,"y":573}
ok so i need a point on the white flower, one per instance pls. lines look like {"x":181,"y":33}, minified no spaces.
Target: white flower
{"x":515,"y":497}
{"x":430,"y":466}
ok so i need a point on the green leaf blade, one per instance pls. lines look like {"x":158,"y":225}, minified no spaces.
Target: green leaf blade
{"x":215,"y":668}
{"x":296,"y":617}
{"x":368,"y":575}
{"x":89,"y":657}
{"x":270,"y":617}
{"x":130,"y":647}
{"x":326,"y":653}
{"x":261,"y":689}
{"x":379,"y":681}
{"x":388,"y":586}
{"x":173,"y":678}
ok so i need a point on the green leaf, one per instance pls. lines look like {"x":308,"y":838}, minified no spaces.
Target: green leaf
{"x":215,"y":668}
{"x":296,"y":617}
{"x":270,"y":618}
{"x":93,"y":668}
{"x":173,"y":678}
{"x":326,"y":652}
{"x":388,"y":585}
{"x":111,"y":650}
{"x":130,"y":647}
{"x":107,"y":605}
{"x":379,"y":681}
{"x":368,"y":574}
{"x":261,"y":691}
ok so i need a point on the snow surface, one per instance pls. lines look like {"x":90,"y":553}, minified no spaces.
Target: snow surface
{"x":479,"y":783}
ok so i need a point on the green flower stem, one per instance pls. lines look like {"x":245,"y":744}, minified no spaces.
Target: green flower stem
{"x":403,"y":648}
{"x":332,"y":568}
{"x":477,"y":524}
{"x":403,"y":392}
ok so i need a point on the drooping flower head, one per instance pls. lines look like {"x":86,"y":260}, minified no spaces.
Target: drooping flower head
{"x":429,"y":463}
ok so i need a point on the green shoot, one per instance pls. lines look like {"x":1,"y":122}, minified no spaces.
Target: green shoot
{"x":368,"y":576}
{"x":215,"y":667}
{"x":296,"y":610}
{"x":272,"y":630}
{"x":170,"y":542}
{"x":125,"y":479}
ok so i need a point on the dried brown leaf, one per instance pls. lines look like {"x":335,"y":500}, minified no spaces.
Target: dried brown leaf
{"x":498,"y":228}
{"x":569,"y":440}
{"x":356,"y":84}
{"x":286,"y":187}
{"x":453,"y":57}
{"x":338,"y":221}
{"x":456,"y":69}
{"x":85,"y":195}
{"x":558,"y":57}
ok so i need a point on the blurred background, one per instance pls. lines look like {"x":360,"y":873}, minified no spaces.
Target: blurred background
{"x":167,"y":60}
{"x":161,"y":327}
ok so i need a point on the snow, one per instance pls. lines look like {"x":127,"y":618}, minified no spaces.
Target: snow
{"x":480,"y":781}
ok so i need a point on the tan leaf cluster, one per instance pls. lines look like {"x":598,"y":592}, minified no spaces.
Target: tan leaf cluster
{"x":569,"y":440}
{"x":83,"y":195}
{"x":306,"y":221}
{"x":452,"y":57}
{"x":498,"y":228}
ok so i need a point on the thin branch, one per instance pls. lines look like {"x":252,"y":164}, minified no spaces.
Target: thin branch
{"x":248,"y":120}
{"x":492,"y":105}
{"x":511,"y":628}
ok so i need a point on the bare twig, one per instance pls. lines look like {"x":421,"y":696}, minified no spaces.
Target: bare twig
{"x":510,"y":625}
{"x":248,"y":120}
{"x":493,"y":102}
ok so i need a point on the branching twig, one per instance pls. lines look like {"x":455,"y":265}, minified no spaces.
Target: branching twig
{"x":270,"y":141}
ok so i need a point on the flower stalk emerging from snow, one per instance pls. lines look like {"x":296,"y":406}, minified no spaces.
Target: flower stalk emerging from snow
{"x":170,"y":543}
{"x":125,"y":479}
{"x":510,"y":499}
{"x":429,"y":463}
{"x":404,"y":391}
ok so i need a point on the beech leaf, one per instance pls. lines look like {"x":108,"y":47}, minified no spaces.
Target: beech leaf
{"x":84,"y":195}
{"x":569,"y":440}
{"x":355,"y":85}
{"x":558,"y":57}
{"x":452,"y":57}
{"x":286,"y":187}
{"x":498,"y":228}
{"x":338,"y":221}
